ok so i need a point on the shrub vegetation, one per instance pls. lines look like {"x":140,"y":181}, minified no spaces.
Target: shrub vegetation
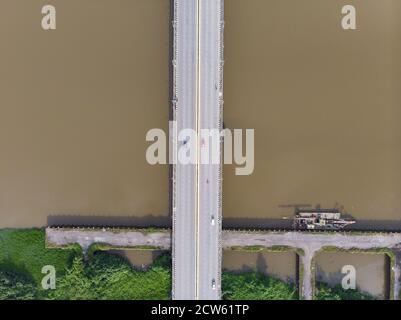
{"x":325,"y":292}
{"x":23,"y":251}
{"x":103,"y":276}
{"x":108,"y":276}
{"x":255,"y":286}
{"x":14,"y":286}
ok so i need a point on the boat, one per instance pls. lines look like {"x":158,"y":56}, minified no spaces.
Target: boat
{"x":320,"y":220}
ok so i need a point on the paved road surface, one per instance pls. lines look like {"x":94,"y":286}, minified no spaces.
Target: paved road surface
{"x":211,"y":17}
{"x":185,"y":176}
{"x":197,"y":188}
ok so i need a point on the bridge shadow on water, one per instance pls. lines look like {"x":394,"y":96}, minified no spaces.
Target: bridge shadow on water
{"x":287,"y":224}
{"x":108,"y":221}
{"x":164,"y":221}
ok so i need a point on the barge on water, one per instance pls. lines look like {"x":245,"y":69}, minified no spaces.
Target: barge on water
{"x":316,"y":220}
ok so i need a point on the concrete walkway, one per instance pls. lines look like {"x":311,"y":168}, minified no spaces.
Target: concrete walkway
{"x":120,"y":238}
{"x":397,"y":275}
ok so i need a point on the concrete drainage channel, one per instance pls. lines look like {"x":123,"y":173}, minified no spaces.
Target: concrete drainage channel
{"x":307,"y":244}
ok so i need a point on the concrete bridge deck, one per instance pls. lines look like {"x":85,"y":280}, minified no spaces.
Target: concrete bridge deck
{"x":197,"y":103}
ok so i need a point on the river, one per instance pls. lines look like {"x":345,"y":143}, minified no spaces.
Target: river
{"x":324,"y":103}
{"x":75,"y":104}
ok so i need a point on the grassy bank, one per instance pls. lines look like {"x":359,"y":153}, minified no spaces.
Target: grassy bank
{"x":24,"y":252}
{"x":110,"y":277}
{"x":103,"y":276}
{"x":258,"y":248}
{"x":255,"y":286}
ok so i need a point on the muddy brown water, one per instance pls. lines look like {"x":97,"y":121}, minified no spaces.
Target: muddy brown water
{"x":75,"y":106}
{"x":77,"y":102}
{"x":325,"y":104}
{"x":139,"y":259}
{"x":281,"y":265}
{"x":372,"y":270}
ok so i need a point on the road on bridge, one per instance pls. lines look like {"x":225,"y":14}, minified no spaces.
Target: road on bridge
{"x":197,"y":187}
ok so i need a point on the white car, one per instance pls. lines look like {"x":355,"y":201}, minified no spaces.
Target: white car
{"x":212,"y":221}
{"x":213,"y":284}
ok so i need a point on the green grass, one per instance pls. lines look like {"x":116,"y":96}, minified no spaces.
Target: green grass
{"x":259,"y":248}
{"x":103,"y":276}
{"x":325,"y":292}
{"x":24,"y":251}
{"x":108,"y":276}
{"x":255,"y":248}
{"x":255,"y":286}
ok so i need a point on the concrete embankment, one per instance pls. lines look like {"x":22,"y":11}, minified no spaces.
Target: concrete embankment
{"x":118,"y":238}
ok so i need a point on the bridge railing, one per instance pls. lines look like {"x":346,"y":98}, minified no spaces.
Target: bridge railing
{"x":175,"y":26}
{"x":221,"y":113}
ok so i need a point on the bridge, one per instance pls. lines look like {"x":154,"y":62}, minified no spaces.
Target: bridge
{"x":197,"y":105}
